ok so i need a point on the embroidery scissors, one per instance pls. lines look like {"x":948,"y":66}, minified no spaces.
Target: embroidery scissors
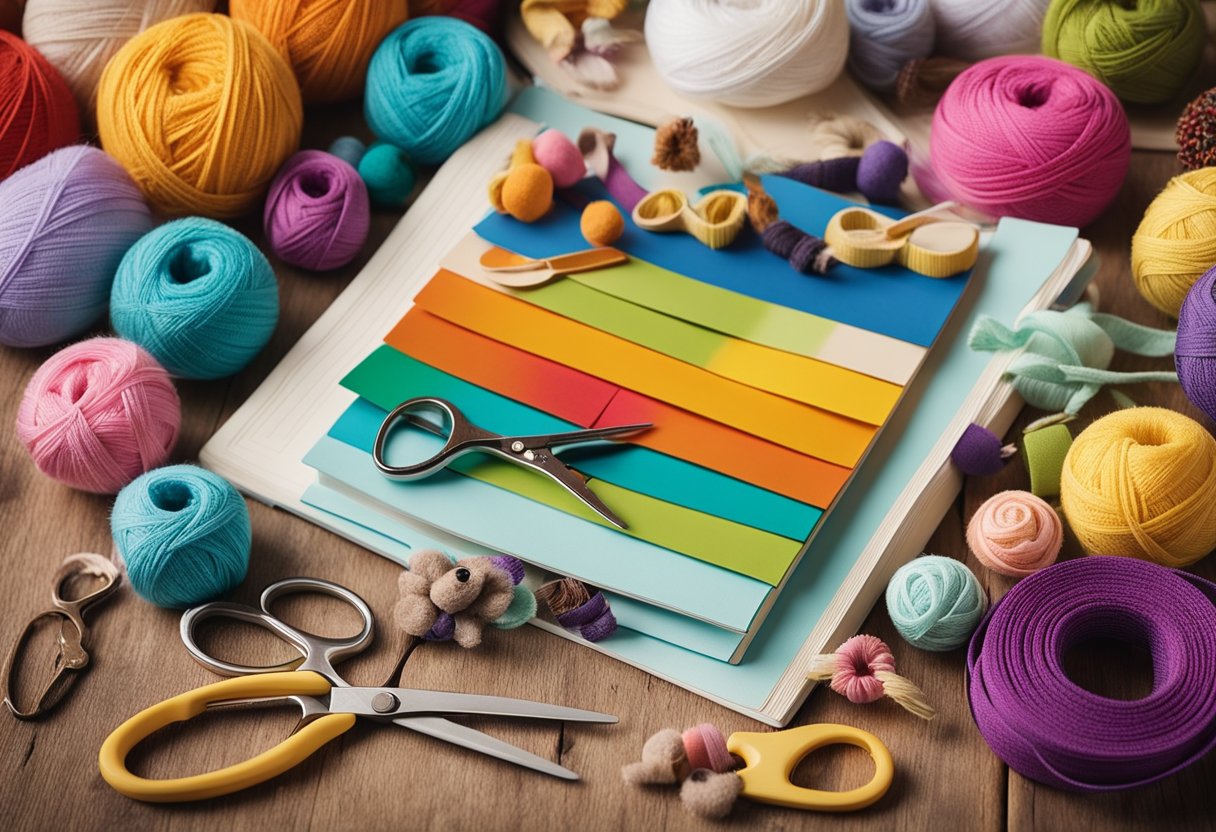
{"x":72,"y":657}
{"x":533,"y":452}
{"x":329,"y":706}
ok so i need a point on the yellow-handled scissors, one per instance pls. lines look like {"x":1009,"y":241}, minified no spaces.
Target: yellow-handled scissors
{"x":329,"y":706}
{"x":770,"y":758}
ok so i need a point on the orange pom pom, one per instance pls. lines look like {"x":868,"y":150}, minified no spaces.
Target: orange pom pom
{"x":527,"y":192}
{"x":602,"y":224}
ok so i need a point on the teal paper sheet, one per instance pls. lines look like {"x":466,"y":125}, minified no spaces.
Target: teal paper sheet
{"x":388,"y":536}
{"x":633,"y":467}
{"x":551,"y":539}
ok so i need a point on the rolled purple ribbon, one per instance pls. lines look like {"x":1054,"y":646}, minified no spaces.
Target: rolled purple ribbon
{"x":593,"y":619}
{"x":1049,"y":729}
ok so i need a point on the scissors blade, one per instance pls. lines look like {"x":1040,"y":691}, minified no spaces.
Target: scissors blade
{"x":576,"y":437}
{"x":466,"y":737}
{"x":363,"y":702}
{"x":573,"y":482}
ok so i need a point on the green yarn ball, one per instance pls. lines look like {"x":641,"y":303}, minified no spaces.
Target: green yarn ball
{"x":935,"y":602}
{"x":387,"y":174}
{"x":1146,"y":51}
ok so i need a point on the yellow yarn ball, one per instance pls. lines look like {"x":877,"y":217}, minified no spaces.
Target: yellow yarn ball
{"x":327,"y":42}
{"x":601,"y":223}
{"x":1141,"y":483}
{"x":201,"y":111}
{"x":1176,"y":241}
{"x":527,"y":192}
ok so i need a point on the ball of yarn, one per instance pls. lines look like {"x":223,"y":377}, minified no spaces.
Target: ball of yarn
{"x":67,"y":220}
{"x":184,"y":534}
{"x":975,"y":29}
{"x":554,"y":152}
{"x":432,"y":84}
{"x":387,"y":174}
{"x":327,"y":42}
{"x":80,"y":38}
{"x":601,"y":223}
{"x":886,"y":34}
{"x":881,"y":171}
{"x":527,"y":192}
{"x":317,"y":212}
{"x":1175,"y":242}
{"x":1196,"y":132}
{"x":349,"y":149}
{"x":1195,"y":353}
{"x":1141,"y":483}
{"x":935,"y":602}
{"x":747,"y":53}
{"x":197,"y":295}
{"x":1015,"y":533}
{"x":37,"y":111}
{"x":1146,"y":51}
{"x":1031,"y":137}
{"x":201,"y":110}
{"x":98,"y":414}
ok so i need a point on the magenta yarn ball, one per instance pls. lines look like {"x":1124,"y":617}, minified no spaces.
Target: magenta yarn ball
{"x":1032,"y":137}
{"x":98,"y":414}
{"x":554,"y":152}
{"x":317,"y":211}
{"x":66,"y":220}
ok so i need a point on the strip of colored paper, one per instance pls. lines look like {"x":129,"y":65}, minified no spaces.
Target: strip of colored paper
{"x":800,"y":427}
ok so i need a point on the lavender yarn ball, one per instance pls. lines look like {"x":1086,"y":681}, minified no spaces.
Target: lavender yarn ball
{"x":881,"y":172}
{"x":317,"y":212}
{"x":1195,"y":351}
{"x":66,"y":221}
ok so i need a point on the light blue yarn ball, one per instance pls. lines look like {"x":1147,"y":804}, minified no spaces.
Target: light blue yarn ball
{"x":433,"y":83}
{"x":935,"y":602}
{"x":184,"y":534}
{"x":197,"y":295}
{"x":349,"y":149}
{"x":886,"y":34}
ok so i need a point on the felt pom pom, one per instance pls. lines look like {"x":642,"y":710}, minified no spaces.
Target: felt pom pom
{"x":554,"y":152}
{"x":601,"y":223}
{"x":676,"y":146}
{"x":863,"y":670}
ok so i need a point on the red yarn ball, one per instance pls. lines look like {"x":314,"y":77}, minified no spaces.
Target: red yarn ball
{"x":1196,"y":133}
{"x":38,"y":112}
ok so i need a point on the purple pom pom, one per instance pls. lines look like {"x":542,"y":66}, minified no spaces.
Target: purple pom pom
{"x":881,"y":171}
{"x":979,"y":452}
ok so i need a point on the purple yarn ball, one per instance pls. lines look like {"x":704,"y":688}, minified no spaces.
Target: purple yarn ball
{"x":66,"y":221}
{"x":1195,"y":352}
{"x":317,"y":212}
{"x":881,"y":171}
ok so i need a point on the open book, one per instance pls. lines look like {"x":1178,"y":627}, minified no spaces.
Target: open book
{"x":892,"y":507}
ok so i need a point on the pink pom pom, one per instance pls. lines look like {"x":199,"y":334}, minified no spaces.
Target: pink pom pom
{"x":555,"y":153}
{"x":98,"y":414}
{"x":857,"y":660}
{"x":706,"y":748}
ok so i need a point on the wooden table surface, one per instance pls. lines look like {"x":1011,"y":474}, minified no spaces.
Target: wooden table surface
{"x":373,"y":778}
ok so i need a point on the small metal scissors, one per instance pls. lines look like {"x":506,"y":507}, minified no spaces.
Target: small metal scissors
{"x":533,"y":452}
{"x":329,"y":705}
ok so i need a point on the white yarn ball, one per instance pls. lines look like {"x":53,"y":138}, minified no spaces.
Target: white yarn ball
{"x":749,"y":53}
{"x":79,"y":36}
{"x":977,"y":29}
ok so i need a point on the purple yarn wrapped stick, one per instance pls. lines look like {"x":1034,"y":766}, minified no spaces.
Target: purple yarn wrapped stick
{"x":317,"y":212}
{"x":805,"y":252}
{"x":1049,"y":729}
{"x":1195,"y":352}
{"x":836,"y":175}
{"x":593,"y":619}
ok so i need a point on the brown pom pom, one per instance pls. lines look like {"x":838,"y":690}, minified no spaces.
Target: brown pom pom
{"x":675,"y":146}
{"x":1196,"y":134}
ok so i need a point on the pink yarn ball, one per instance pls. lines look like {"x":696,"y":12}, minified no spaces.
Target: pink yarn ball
{"x":98,"y":414}
{"x":317,"y":211}
{"x":554,"y":152}
{"x":1032,"y":137}
{"x":1015,"y":533}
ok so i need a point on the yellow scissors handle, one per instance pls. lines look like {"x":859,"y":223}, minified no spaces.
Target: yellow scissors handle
{"x":772,"y":757}
{"x":112,"y":759}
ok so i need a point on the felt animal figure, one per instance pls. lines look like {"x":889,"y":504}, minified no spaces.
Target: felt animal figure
{"x":442,"y":600}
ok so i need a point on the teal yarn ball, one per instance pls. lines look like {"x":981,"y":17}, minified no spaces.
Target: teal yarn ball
{"x":387,"y":174}
{"x":197,"y":295}
{"x":433,"y":83}
{"x":935,"y":603}
{"x":184,"y":535}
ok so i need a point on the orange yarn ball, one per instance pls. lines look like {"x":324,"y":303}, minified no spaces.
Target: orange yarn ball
{"x":201,"y":111}
{"x":601,"y":223}
{"x":327,"y":42}
{"x":527,"y":192}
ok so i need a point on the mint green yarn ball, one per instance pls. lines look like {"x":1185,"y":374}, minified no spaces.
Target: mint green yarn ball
{"x":387,"y":175}
{"x":197,"y":295}
{"x":935,"y":603}
{"x":1146,"y":51}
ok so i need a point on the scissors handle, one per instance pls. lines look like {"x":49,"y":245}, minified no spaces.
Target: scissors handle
{"x":464,"y":437}
{"x":772,"y":757}
{"x":320,"y":653}
{"x":112,"y":760}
